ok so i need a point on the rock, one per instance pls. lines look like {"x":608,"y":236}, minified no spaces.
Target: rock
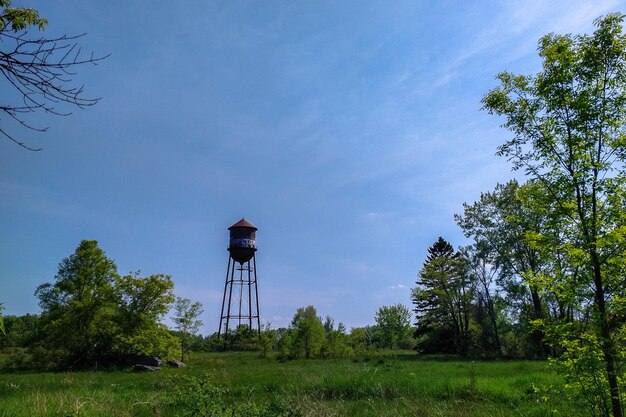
{"x":145,"y":368}
{"x":175,"y":363}
{"x":151,"y":361}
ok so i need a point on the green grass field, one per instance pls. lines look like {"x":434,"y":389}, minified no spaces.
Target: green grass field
{"x":391,"y":384}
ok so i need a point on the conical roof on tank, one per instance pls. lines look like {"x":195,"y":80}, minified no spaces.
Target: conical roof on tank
{"x":243,"y":223}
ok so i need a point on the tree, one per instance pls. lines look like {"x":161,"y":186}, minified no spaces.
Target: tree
{"x":443,"y":296}
{"x":329,"y":324}
{"x":186,"y":320}
{"x":241,"y":338}
{"x":394,"y":325}
{"x":499,"y":222}
{"x":78,"y":309}
{"x":91,"y":315}
{"x":486,"y":294}
{"x":569,"y":136}
{"x":21,"y":331}
{"x":141,"y":304}
{"x":38,"y":69}
{"x":267,"y":340}
{"x":308,"y":332}
{"x":143,"y":300}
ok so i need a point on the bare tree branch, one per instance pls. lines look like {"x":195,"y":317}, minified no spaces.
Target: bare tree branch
{"x":41,"y":72}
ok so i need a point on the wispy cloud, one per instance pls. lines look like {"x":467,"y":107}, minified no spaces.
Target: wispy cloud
{"x":398,"y":287}
{"x":514,"y":32}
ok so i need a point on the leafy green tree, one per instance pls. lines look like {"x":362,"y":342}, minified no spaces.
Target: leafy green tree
{"x":37,"y":68}
{"x":284,"y":343}
{"x":308,"y":332}
{"x":394,"y":325}
{"x":242,"y":338}
{"x":498,"y":222}
{"x":443,"y":296}
{"x":141,"y":305}
{"x":21,"y":331}
{"x":186,"y":320}
{"x":335,"y":343}
{"x":267,"y":340}
{"x":569,"y":136}
{"x":78,"y":310}
{"x":91,"y":315}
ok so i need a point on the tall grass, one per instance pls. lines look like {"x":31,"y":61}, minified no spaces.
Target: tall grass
{"x":243,"y":384}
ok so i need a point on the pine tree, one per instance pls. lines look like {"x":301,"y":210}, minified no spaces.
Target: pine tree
{"x":442,"y":299}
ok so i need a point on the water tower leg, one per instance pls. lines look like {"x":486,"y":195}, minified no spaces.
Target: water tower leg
{"x":230,"y":298}
{"x":249,"y":298}
{"x":219,"y":331}
{"x":240,"y":282}
{"x":256,"y":291}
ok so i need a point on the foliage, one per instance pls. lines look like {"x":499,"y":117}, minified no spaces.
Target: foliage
{"x":394,"y":325}
{"x":91,"y":315}
{"x":284,"y":344}
{"x":583,"y":367}
{"x":15,"y":19}
{"x":308,"y":333}
{"x":502,"y":258}
{"x":568,"y":136}
{"x":21,"y":331}
{"x":191,"y":396}
{"x":141,"y":304}
{"x":78,"y":309}
{"x":151,"y":340}
{"x":242,"y":338}
{"x":37,"y":69}
{"x":487,"y":312}
{"x":266,"y":342}
{"x":186,"y":320}
{"x":336,"y":341}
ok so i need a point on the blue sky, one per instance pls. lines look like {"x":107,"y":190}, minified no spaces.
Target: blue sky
{"x":348,"y":132}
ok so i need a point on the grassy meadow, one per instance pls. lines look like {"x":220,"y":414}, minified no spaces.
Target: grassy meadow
{"x":388,"y":384}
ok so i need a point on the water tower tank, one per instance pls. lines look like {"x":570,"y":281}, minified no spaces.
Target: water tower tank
{"x":242,"y":244}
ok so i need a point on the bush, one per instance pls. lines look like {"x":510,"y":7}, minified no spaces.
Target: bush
{"x":46,"y":359}
{"x":190,"y":396}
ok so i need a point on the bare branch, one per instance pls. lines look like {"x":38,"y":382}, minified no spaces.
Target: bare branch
{"x":40,"y":70}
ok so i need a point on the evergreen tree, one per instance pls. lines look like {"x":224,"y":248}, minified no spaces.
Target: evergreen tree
{"x":442,"y":299}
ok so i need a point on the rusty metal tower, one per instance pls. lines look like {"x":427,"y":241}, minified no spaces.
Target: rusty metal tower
{"x":240,"y":303}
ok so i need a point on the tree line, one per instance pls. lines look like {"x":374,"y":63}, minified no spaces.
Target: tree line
{"x":548,"y":255}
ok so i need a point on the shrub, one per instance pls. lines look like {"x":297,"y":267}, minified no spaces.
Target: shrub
{"x":191,"y":396}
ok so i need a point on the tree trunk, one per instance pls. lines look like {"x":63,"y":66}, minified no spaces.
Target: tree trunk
{"x":605,"y":333}
{"x":494,"y":323}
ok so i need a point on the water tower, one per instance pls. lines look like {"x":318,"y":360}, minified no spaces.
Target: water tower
{"x":240,"y":304}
